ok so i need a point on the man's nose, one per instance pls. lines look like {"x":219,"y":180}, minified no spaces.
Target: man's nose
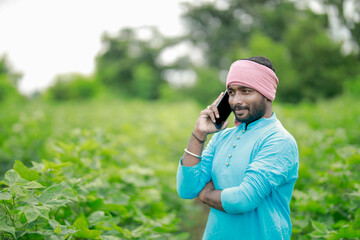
{"x":238,"y":99}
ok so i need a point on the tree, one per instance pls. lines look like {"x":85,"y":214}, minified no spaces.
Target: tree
{"x":347,"y":13}
{"x":312,"y":65}
{"x":8,"y":80}
{"x":207,"y":86}
{"x":318,"y":61}
{"x":129,"y":65}
{"x":72,"y":86}
{"x":219,"y":30}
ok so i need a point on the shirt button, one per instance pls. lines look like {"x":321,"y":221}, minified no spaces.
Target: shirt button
{"x":234,"y":145}
{"x":237,"y":137}
{"x":243,"y":130}
{"x":229,"y":155}
{"x":227,"y":164}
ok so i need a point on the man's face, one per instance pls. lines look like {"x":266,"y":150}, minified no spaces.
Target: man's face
{"x":247,"y":104}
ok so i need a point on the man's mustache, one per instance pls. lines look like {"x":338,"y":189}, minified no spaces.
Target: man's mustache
{"x":238,"y":107}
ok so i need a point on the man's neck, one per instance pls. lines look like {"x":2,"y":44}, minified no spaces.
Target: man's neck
{"x":269,"y":110}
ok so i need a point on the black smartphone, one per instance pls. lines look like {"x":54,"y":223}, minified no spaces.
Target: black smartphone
{"x":224,"y":110}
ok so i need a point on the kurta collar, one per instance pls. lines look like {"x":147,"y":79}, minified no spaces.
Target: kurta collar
{"x":258,"y":123}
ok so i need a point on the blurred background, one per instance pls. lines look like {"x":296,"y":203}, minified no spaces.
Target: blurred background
{"x":113,"y":88}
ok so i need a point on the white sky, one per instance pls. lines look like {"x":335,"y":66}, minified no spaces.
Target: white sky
{"x":43,"y":38}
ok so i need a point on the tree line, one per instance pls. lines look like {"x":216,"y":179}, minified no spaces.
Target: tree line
{"x":310,"y":62}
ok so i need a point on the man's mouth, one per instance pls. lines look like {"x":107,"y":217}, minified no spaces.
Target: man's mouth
{"x":240,"y":111}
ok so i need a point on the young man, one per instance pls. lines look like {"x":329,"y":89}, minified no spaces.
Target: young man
{"x":246,"y":174}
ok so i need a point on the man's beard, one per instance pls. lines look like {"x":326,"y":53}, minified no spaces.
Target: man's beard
{"x":255,"y":111}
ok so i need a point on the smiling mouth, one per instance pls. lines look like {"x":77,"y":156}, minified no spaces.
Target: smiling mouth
{"x":240,"y":111}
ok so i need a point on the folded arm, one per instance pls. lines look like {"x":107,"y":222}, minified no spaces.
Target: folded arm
{"x":235,"y":200}
{"x":271,"y":168}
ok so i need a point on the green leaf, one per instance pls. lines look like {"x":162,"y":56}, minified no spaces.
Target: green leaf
{"x":43,"y":211}
{"x":25,"y":172}
{"x":38,"y":166}
{"x":3,"y":183}
{"x":316,"y":234}
{"x":126,"y":232}
{"x":339,"y":224}
{"x":16,"y":190}
{"x":31,"y":214}
{"x":6,"y":228}
{"x":33,"y":185}
{"x":348,"y":232}
{"x":53,"y":223}
{"x":60,"y":229}
{"x":52,"y":196}
{"x":57,"y":230}
{"x":117,"y":198}
{"x":357,"y":219}
{"x":96,"y":217}
{"x":5,"y":196}
{"x":13,"y":176}
{"x":55,"y":166}
{"x":81,"y":223}
{"x":84,"y":232}
{"x":320,"y":227}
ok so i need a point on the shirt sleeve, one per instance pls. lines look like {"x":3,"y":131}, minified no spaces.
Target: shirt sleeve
{"x":191,"y":180}
{"x":275,"y":164}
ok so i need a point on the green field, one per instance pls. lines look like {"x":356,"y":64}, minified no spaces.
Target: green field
{"x":105,"y":169}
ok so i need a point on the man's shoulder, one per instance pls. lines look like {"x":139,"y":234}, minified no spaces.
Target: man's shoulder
{"x":278,"y":132}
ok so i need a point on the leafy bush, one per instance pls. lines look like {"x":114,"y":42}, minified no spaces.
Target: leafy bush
{"x":129,"y":64}
{"x":7,"y":90}
{"x":85,"y":193}
{"x":108,"y":179}
{"x":8,"y":81}
{"x":24,"y":131}
{"x":352,"y":87}
{"x":72,"y":86}
{"x":110,"y":167}
{"x":326,"y":200}
{"x":318,"y":61}
{"x":145,"y":84}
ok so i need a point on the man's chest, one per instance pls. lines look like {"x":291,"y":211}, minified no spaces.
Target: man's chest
{"x":231,"y":159}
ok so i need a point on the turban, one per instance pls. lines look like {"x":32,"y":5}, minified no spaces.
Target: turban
{"x":253,"y":75}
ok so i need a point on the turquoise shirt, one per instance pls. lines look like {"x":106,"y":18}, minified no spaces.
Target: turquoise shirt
{"x":256,"y":166}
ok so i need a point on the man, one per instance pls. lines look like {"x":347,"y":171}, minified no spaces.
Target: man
{"x":247,"y":173}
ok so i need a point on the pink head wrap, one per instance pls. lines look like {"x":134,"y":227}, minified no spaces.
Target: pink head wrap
{"x":253,"y":75}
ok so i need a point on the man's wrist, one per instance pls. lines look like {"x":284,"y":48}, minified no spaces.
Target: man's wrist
{"x":203,"y":196}
{"x":199,"y":135}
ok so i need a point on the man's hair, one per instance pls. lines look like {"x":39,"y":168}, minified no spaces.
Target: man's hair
{"x":261,"y":60}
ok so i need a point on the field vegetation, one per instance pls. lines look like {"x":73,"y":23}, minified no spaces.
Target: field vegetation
{"x":106,"y":169}
{"x":95,"y":157}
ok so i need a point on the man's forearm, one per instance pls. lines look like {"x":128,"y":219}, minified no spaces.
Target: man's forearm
{"x":204,"y":126}
{"x":211,"y":197}
{"x":195,"y":146}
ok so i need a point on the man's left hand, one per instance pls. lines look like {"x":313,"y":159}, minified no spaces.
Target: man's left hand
{"x":203,"y":195}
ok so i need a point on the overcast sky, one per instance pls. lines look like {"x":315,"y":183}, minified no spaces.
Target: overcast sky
{"x":43,"y":38}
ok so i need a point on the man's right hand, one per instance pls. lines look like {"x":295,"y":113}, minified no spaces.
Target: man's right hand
{"x":205,"y":122}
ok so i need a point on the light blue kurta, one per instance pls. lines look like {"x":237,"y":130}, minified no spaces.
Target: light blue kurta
{"x":256,"y":167}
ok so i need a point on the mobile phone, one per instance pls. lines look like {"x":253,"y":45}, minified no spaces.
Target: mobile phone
{"x":224,"y":110}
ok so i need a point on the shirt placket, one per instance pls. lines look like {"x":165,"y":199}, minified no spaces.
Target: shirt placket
{"x":233,"y":147}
